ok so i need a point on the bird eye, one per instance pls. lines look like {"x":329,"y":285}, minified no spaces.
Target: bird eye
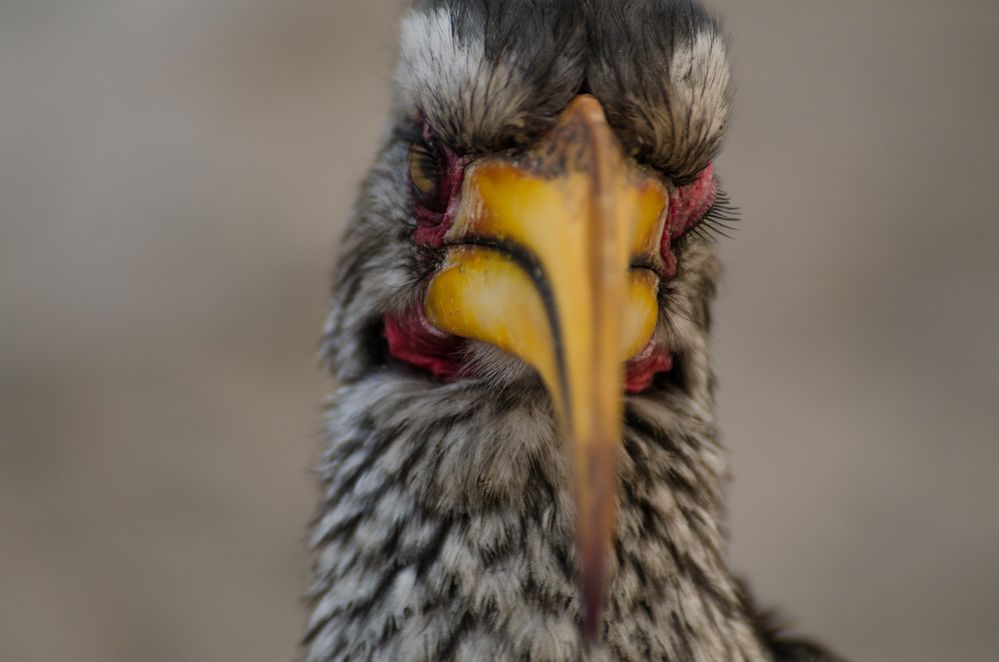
{"x":425,"y":176}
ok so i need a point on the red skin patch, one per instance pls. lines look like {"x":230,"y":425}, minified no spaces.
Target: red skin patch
{"x":413,"y":339}
{"x":642,"y":369}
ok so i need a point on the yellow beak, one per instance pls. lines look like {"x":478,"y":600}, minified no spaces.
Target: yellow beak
{"x":553,"y":256}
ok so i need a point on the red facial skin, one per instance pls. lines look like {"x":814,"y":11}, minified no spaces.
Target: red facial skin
{"x":413,"y":339}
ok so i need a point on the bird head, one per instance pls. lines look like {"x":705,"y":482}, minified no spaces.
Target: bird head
{"x":537,"y":226}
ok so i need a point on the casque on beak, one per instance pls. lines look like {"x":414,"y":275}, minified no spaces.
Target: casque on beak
{"x":553,"y":256}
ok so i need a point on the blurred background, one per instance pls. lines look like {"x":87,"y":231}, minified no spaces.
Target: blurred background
{"x":174,"y":175}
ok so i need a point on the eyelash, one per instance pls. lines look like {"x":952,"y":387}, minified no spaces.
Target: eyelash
{"x":718,"y":221}
{"x":425,"y":176}
{"x":409,"y":134}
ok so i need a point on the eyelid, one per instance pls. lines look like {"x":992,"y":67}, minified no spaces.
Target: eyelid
{"x":691,"y":202}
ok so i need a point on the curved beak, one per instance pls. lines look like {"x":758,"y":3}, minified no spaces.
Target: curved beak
{"x":553,"y":256}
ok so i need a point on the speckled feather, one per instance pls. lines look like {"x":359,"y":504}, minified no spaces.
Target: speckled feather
{"x":446,"y":530}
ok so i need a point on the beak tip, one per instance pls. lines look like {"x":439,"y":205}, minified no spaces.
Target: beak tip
{"x":593,"y":597}
{"x":591,"y":625}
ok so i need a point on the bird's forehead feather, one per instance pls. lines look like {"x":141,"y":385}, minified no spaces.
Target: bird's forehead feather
{"x":481,"y":74}
{"x":488,"y":74}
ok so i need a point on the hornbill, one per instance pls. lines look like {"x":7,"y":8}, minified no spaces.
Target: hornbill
{"x":522,"y":458}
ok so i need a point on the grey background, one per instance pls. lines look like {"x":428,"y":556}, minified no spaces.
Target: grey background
{"x":173,"y":178}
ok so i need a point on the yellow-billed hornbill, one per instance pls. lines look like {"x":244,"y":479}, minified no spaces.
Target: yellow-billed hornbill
{"x":523,"y":462}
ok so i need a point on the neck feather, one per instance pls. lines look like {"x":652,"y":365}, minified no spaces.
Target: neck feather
{"x":447,"y":531}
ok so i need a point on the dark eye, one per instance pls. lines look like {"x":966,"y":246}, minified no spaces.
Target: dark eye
{"x":426,"y":170}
